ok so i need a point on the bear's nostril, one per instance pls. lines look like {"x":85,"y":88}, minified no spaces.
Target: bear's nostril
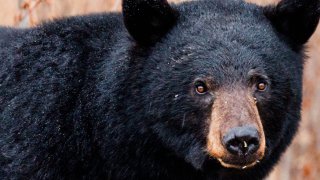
{"x":242,"y":141}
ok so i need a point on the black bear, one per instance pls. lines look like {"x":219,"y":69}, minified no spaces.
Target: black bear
{"x":207,"y":89}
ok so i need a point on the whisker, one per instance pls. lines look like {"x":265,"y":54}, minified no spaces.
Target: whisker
{"x":184,"y":119}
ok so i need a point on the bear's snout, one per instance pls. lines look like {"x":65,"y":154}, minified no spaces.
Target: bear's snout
{"x":236,"y":135}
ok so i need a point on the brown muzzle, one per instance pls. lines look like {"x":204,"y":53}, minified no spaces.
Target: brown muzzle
{"x":236,"y":137}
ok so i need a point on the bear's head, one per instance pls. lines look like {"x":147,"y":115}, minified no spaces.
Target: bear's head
{"x":221,"y":80}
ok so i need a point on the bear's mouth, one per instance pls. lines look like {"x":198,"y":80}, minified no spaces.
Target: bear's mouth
{"x":238,"y":165}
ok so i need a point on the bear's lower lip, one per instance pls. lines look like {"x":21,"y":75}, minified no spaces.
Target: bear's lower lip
{"x":238,"y":166}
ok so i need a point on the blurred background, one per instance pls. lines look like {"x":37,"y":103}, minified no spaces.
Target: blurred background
{"x":301,"y":161}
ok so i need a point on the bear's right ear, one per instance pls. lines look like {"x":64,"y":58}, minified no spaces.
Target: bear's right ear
{"x":295,"y":19}
{"x":148,"y":20}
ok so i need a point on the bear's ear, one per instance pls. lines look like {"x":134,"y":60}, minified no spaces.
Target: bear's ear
{"x":295,"y":19}
{"x":148,"y":20}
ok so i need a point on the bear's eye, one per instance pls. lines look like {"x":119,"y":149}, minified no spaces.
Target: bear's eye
{"x":201,"y":87}
{"x":262,"y":86}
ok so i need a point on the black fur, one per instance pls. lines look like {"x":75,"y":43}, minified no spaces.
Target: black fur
{"x":81,"y":100}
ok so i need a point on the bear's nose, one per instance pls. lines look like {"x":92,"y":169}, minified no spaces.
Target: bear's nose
{"x":242,"y":141}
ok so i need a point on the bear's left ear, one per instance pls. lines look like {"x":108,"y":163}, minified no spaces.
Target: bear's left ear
{"x":295,"y":19}
{"x":148,"y":20}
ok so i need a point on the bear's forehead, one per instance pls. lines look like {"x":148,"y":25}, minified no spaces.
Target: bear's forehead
{"x":230,"y":37}
{"x":223,"y":21}
{"x":219,"y":10}
{"x":224,"y":30}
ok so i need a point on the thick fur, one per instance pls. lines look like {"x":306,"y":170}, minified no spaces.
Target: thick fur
{"x":79,"y":99}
